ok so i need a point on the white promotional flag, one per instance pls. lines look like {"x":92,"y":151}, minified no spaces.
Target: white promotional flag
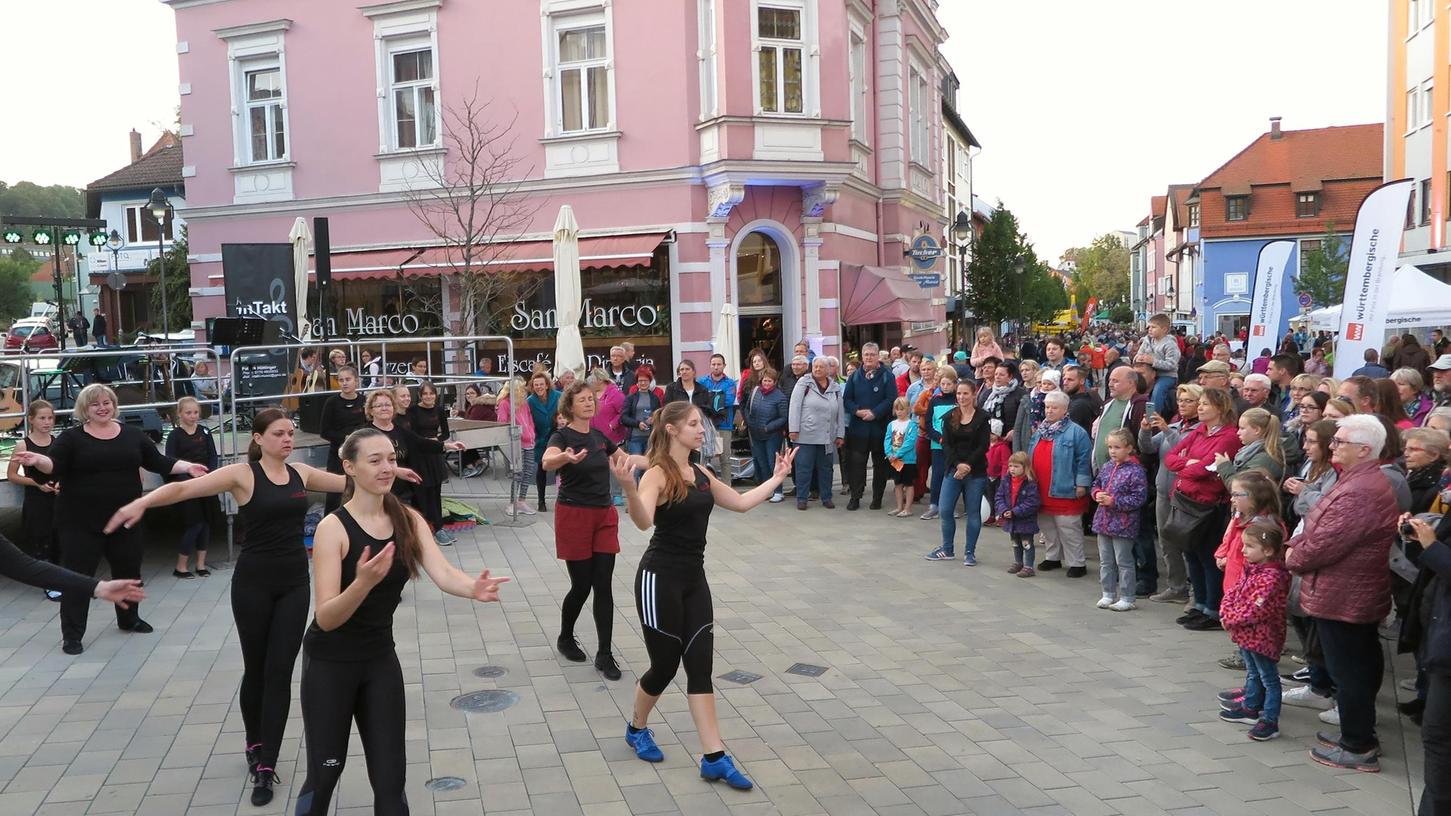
{"x":1265,"y":306}
{"x":1373,"y":252}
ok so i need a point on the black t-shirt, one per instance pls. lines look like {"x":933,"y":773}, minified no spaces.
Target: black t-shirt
{"x":98,"y":476}
{"x":340,"y":417}
{"x":586,"y":484}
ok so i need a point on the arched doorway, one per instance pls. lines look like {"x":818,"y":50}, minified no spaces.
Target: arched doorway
{"x":760,"y":297}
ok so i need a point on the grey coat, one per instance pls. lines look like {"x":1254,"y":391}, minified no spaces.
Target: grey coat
{"x":1158,"y":444}
{"x":817,"y":417}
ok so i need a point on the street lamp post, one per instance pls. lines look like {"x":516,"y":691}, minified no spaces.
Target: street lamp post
{"x":160,"y":208}
{"x":961,"y":235}
{"x":115,"y":244}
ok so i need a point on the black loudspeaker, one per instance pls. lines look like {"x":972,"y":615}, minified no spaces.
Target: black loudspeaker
{"x":237,"y":331}
{"x":322,"y":251}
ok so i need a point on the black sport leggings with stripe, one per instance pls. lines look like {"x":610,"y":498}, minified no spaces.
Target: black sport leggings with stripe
{"x":334,"y":693}
{"x":270,"y":622}
{"x":675,"y":611}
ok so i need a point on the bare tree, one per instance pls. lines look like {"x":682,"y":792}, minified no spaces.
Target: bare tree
{"x":472,"y":202}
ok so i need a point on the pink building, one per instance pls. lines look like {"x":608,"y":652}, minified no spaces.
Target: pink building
{"x":780,"y":155}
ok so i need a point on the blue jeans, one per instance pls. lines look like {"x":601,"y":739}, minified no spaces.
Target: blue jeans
{"x":637,"y":446}
{"x":1163,"y":396}
{"x":763,"y":456}
{"x":969,"y":490}
{"x":813,"y":461}
{"x":1116,"y":573}
{"x":939,"y":461}
{"x":1261,"y":685}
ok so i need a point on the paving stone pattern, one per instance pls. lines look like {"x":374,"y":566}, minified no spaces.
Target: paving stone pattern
{"x":948,"y":690}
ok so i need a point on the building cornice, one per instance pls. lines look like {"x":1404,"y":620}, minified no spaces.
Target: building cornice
{"x":398,"y":7}
{"x":182,"y":4}
{"x":252,"y":29}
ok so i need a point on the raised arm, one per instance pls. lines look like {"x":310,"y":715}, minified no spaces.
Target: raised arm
{"x":640,"y":500}
{"x":726,"y":496}
{"x":320,"y":481}
{"x":445,"y":575}
{"x":229,"y":479}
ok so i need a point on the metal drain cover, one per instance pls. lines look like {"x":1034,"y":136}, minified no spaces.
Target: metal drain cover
{"x":488,"y":701}
{"x":490,"y":671}
{"x":806,"y":670}
{"x":444,"y":783}
{"x":742,"y":677}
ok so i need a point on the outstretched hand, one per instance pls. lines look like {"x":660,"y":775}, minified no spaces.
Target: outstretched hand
{"x":126,"y":517}
{"x":574,"y":457}
{"x":408,"y":475}
{"x":623,"y":468}
{"x":784,"y":462}
{"x":486,"y":587}
{"x":26,"y":458}
{"x":196,"y":471}
{"x":372,"y":570}
{"x":122,"y":592}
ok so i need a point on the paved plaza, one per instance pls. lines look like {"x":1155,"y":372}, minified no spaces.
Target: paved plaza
{"x":947,"y":690}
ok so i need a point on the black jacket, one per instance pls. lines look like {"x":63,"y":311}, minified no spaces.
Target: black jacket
{"x":1083,"y":409}
{"x":1426,"y":625}
{"x":966,"y":444}
{"x":702,"y":399}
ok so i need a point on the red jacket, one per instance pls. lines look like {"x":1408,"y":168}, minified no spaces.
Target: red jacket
{"x":1196,"y":481}
{"x":1343,"y":555}
{"x":1253,"y":610}
{"x":1231,"y":547}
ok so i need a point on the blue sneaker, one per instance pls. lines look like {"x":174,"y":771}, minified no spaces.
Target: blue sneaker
{"x":643,"y":741}
{"x":1240,"y":714}
{"x":969,"y":560}
{"x":724,"y":768}
{"x":939,"y":554}
{"x":618,"y":501}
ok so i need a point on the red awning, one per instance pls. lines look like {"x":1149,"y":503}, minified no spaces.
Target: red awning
{"x":881,"y":294}
{"x":602,"y":252}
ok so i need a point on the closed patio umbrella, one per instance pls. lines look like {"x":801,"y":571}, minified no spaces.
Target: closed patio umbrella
{"x":726,"y":342}
{"x":568,"y":346}
{"x":299,"y":238}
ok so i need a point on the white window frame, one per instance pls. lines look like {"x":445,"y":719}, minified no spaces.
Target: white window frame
{"x":400,"y":26}
{"x":136,"y":217}
{"x":1413,"y":109}
{"x":810,"y":45}
{"x":1428,"y":13}
{"x":859,"y":70}
{"x":919,"y":114}
{"x":563,"y":15}
{"x":407,"y":45}
{"x":579,"y":22}
{"x":1413,"y":15}
{"x":253,"y":47}
{"x":706,"y":55}
{"x":274,"y":109}
{"x":1426,"y":104}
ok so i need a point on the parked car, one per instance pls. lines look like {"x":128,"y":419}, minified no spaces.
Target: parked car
{"x":31,"y":334}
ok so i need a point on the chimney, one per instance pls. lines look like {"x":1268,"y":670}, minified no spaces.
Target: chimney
{"x":135,"y":146}
{"x":1275,"y":127}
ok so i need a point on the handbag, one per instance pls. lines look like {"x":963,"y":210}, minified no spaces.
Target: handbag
{"x":1185,"y":517}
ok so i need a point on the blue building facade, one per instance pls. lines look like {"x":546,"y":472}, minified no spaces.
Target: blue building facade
{"x":1225,"y":283}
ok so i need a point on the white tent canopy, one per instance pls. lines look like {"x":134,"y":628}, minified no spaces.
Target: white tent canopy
{"x":1417,"y":299}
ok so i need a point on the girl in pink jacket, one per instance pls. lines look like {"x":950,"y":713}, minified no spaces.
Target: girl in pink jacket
{"x":513,"y":395}
{"x":1254,"y":613}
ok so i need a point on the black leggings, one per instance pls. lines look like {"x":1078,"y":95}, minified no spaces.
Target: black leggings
{"x":270,"y":622}
{"x":675,"y":612}
{"x":592,"y":574}
{"x":429,"y":501}
{"x":334,"y":693}
{"x":82,"y":551}
{"x":541,"y":476}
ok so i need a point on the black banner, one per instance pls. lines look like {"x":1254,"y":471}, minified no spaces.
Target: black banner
{"x":260,"y":282}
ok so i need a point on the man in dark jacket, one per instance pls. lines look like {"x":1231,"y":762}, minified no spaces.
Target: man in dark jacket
{"x":868,"y":398}
{"x":1435,"y":659}
{"x":1083,"y":404}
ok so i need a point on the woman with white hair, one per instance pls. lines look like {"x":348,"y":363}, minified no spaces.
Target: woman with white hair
{"x":1342,"y":556}
{"x":1061,"y":454}
{"x":98,"y":465}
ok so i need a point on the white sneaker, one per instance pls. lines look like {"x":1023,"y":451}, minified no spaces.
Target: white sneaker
{"x":525,"y":508}
{"x":1331,"y":716}
{"x":777,"y":498}
{"x":1105,"y":602}
{"x":1123,"y":605}
{"x":1305,"y":697}
{"x":1408,"y":684}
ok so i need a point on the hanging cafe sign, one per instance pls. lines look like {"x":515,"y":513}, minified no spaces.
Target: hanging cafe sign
{"x":594,"y":317}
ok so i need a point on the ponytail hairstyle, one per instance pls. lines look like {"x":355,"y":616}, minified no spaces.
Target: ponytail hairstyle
{"x":1264,"y":494}
{"x":185,"y":401}
{"x":674,"y":414}
{"x":260,"y":423}
{"x":1269,"y":426}
{"x":405,"y":533}
{"x":36,"y":406}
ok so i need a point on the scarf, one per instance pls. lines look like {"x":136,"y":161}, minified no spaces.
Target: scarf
{"x":1414,"y":406}
{"x":999,"y":393}
{"x":1035,"y":412}
{"x":1246,"y":453}
{"x":1423,"y":477}
{"x":1050,"y":430}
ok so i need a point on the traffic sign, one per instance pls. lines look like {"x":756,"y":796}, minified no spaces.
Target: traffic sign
{"x":925,"y":251}
{"x":1305,"y":300}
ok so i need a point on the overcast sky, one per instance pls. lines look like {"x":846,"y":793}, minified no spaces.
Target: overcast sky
{"x":1084,"y":109}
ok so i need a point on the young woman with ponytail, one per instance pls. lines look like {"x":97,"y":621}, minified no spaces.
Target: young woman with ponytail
{"x":362,"y":557}
{"x":269,"y":583}
{"x":671,"y":593}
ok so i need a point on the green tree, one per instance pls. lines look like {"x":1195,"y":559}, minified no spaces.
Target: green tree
{"x":1102,"y":269}
{"x":1043,"y":293}
{"x":15,"y":275}
{"x":28,"y":198}
{"x":1322,"y":270}
{"x":178,"y":288}
{"x":993,"y":292}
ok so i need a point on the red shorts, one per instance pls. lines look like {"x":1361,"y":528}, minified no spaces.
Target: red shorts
{"x":579,"y":532}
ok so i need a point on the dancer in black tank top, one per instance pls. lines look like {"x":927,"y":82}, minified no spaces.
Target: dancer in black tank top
{"x":671,"y":593}
{"x":38,"y":534}
{"x":362,"y":557}
{"x":269,"y":581}
{"x":342,"y":414}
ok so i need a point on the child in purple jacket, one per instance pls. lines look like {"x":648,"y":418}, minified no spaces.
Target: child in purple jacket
{"x":1120,"y":491}
{"x":1017,"y":502}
